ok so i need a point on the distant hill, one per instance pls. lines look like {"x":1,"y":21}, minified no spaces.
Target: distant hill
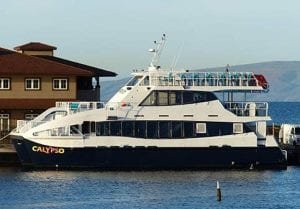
{"x":283,"y":77}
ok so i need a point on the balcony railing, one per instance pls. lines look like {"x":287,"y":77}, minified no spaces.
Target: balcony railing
{"x":206,"y":79}
{"x":248,"y":109}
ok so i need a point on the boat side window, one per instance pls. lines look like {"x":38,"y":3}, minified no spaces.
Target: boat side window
{"x":134,"y":81}
{"x":85,"y":127}
{"x":164,"y":129}
{"x":152,"y":129}
{"x":115,"y":128}
{"x":200,"y":97}
{"x":175,"y":97}
{"x":74,"y":130}
{"x":188,"y":97}
{"x":102,"y":128}
{"x":237,"y":128}
{"x":297,"y":130}
{"x":127,"y":128}
{"x":200,"y":128}
{"x":93,"y":127}
{"x":140,"y":129}
{"x":150,"y":100}
{"x":176,"y":129}
{"x":162,"y":98}
{"x":188,"y":129}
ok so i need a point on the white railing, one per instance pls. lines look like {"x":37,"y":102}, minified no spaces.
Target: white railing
{"x":206,"y":79}
{"x":252,"y":109}
{"x":24,"y":125}
{"x":69,"y":107}
{"x":75,"y":107}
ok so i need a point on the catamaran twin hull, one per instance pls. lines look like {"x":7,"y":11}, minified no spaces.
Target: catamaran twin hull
{"x":36,"y":155}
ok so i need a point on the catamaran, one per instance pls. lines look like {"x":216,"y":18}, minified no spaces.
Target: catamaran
{"x":161,"y":119}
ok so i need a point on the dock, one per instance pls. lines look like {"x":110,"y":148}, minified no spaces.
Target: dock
{"x":8,"y":156}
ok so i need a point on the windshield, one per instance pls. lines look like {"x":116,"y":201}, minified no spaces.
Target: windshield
{"x":134,"y":81}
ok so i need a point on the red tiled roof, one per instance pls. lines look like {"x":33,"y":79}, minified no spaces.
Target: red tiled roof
{"x":94,"y":70}
{"x":13,"y":63}
{"x":35,"y":46}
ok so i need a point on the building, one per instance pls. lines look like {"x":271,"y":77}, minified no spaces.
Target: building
{"x":32,"y":79}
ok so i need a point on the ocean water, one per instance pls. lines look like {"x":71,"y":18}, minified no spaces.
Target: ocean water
{"x":285,"y":112}
{"x":185,"y":189}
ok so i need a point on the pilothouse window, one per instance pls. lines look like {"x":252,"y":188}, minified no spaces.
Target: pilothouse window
{"x":145,"y":81}
{"x":134,"y":81}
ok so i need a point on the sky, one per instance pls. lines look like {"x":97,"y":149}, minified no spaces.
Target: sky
{"x":116,"y":35}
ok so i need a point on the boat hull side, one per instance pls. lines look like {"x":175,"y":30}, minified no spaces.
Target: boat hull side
{"x":36,"y":155}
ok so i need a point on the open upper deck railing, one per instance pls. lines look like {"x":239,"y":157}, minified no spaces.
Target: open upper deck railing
{"x":234,"y":79}
{"x":248,"y":109}
{"x":75,"y":107}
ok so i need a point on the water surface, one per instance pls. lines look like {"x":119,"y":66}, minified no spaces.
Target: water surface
{"x":185,"y":189}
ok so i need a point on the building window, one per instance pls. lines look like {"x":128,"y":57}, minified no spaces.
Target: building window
{"x":4,"y":122}
{"x":32,"y":83}
{"x":4,"y":83}
{"x":60,"y":84}
{"x":30,"y":116}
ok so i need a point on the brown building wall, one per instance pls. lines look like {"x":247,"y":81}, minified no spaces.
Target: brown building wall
{"x":46,"y":91}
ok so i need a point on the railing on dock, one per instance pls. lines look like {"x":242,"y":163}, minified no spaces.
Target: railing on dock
{"x":252,"y":109}
{"x":206,"y":79}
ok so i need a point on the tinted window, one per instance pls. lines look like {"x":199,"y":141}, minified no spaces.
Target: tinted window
{"x":93,"y":124}
{"x":145,"y":82}
{"x":86,"y":127}
{"x":200,"y":97}
{"x":127,"y":128}
{"x":164,"y":130}
{"x":152,"y":129}
{"x":134,"y":81}
{"x":188,"y":129}
{"x":102,"y":129}
{"x":175,"y":97}
{"x":115,"y":128}
{"x":140,"y":129}
{"x":150,"y":100}
{"x":176,"y":129}
{"x":105,"y":128}
{"x":188,"y":97}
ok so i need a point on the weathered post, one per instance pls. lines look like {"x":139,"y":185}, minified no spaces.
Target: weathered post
{"x":219,"y":195}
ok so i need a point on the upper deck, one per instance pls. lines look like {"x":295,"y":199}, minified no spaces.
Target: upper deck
{"x":211,"y":81}
{"x":201,"y":81}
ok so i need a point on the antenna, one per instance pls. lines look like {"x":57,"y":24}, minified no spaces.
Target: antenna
{"x":159,"y":46}
{"x":227,"y":68}
{"x":175,"y":59}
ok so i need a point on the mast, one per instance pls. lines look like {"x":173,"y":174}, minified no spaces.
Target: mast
{"x":159,"y":46}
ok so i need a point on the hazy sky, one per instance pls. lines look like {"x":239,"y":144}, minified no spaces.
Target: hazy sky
{"x":116,"y":35}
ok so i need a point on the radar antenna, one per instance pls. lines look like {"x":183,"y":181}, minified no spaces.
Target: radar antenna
{"x":159,"y":46}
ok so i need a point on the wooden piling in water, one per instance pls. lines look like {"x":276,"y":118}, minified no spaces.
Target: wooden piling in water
{"x":219,"y":194}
